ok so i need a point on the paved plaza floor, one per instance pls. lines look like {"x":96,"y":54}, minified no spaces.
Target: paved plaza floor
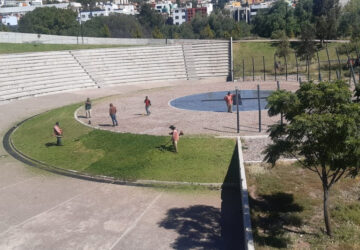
{"x":40,"y":210}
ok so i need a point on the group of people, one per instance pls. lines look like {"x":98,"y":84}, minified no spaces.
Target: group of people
{"x":58,"y":133}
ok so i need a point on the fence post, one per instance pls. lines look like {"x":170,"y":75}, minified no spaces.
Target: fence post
{"x":258,"y":97}
{"x":297,"y":68}
{"x":237,"y":110}
{"x":358,"y":59}
{"x":308,"y":68}
{"x":337,"y":75}
{"x":243,"y":70}
{"x":264,"y":67}
{"x":319,"y":74}
{"x":231,"y":60}
{"x":253,"y":68}
{"x":337,"y":54}
{"x":275,"y":65}
{"x":286,"y":70}
{"x":300,"y":82}
{"x":327,"y":53}
{"x":351,"y":68}
{"x":281,"y":114}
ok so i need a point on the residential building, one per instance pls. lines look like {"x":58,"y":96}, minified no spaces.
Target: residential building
{"x":192,"y":12}
{"x":179,"y":16}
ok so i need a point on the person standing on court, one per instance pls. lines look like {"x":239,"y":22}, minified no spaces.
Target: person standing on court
{"x":58,"y":133}
{"x":147,"y":105}
{"x":229,"y":102}
{"x":112,"y":112}
{"x":88,"y":108}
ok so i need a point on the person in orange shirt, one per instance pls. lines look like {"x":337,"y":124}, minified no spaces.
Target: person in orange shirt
{"x":229,"y":102}
{"x":58,"y":133}
{"x":147,"y":105}
{"x":175,"y":136}
{"x":112,"y":113}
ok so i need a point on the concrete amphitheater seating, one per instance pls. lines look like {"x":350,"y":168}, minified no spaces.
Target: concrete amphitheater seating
{"x":32,"y":74}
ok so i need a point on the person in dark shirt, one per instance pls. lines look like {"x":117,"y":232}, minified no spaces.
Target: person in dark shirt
{"x":112,"y":112}
{"x":88,"y":108}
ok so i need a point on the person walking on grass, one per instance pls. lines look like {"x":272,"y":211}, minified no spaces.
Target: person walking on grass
{"x":175,"y":136}
{"x":88,"y":108}
{"x":58,"y":133}
{"x":112,"y":112}
{"x":147,"y":105}
{"x":229,"y":102}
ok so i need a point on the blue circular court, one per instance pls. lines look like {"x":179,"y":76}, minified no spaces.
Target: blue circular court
{"x":214,"y":101}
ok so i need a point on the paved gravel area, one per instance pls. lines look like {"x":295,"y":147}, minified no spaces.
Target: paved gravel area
{"x":131,"y":113}
{"x":40,"y":210}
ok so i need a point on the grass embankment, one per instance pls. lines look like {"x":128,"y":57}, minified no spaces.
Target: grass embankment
{"x":286,"y":209}
{"x":125,"y":156}
{"x":7,"y":48}
{"x":246,"y":51}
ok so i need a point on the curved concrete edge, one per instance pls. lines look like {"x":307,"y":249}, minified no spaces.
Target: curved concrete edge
{"x":249,"y":242}
{"x":17,"y":154}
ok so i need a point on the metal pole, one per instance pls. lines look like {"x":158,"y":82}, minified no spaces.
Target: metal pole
{"x":327,"y":53}
{"x":351,"y":68}
{"x":275,"y":65}
{"x":337,"y":54}
{"x":264,"y":67}
{"x":253,"y":66}
{"x":319,"y":74}
{"x":258,"y":96}
{"x":337,"y":74}
{"x":281,"y":114}
{"x":237,"y":111}
{"x":358,"y":59}
{"x":308,"y":67}
{"x":243,"y":70}
{"x":231,"y":59}
{"x":297,"y":68}
{"x":286,"y":72}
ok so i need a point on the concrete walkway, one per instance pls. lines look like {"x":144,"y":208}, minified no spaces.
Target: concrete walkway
{"x":39,"y":210}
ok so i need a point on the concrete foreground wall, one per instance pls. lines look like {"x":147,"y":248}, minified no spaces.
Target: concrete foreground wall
{"x":15,"y":37}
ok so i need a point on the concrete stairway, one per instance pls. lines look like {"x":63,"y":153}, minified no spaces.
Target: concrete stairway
{"x":33,"y":74}
{"x":208,"y":59}
{"x":136,"y":64}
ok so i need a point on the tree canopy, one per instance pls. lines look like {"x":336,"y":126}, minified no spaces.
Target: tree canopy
{"x":51,"y":21}
{"x":322,"y":131}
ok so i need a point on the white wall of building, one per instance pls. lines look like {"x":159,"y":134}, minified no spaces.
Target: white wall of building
{"x":179,"y":16}
{"x":9,"y":20}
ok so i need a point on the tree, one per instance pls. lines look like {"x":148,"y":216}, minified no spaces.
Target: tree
{"x":279,"y":17}
{"x":350,"y":20}
{"x":326,"y":14}
{"x":283,"y":47}
{"x":207,"y":33}
{"x":322,"y":132}
{"x":51,"y":21}
{"x":307,"y":47}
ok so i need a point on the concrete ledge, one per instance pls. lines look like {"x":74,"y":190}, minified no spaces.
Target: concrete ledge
{"x":248,"y":237}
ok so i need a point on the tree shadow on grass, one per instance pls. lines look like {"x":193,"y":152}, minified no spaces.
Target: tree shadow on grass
{"x":270,"y":216}
{"x":198,"y":227}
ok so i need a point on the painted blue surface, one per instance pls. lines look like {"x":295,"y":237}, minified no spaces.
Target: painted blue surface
{"x":214,"y":101}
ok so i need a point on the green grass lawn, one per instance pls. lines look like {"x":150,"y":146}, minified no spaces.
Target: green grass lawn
{"x":125,"y":156}
{"x":6,"y":48}
{"x":257,"y":50}
{"x":286,"y":209}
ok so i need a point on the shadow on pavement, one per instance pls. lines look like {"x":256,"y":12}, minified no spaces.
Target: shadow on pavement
{"x":198,"y":227}
{"x":207,"y":227}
